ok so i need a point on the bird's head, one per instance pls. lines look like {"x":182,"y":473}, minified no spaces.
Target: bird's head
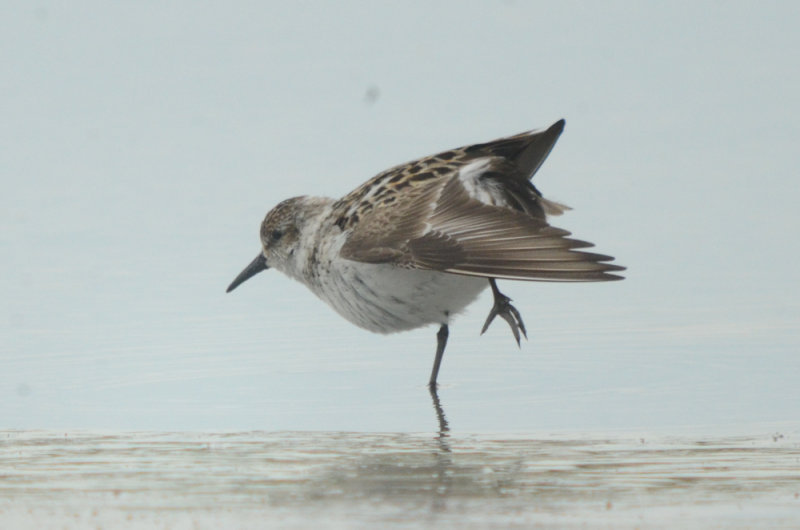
{"x":280,"y":237}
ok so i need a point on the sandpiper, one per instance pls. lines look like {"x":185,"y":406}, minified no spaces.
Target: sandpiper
{"x":417,"y":243}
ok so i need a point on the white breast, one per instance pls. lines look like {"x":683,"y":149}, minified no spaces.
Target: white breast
{"x":384,"y":298}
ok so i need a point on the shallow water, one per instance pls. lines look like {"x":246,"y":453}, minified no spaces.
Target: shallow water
{"x":144,"y":142}
{"x":341,"y":479}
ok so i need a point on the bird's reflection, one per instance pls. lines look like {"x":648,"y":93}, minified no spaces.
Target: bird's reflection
{"x":444,"y":427}
{"x":444,"y":458}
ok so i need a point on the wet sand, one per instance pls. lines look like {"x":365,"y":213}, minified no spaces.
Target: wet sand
{"x":344,"y":480}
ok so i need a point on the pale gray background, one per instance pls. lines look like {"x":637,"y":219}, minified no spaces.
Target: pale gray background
{"x":141,"y":143}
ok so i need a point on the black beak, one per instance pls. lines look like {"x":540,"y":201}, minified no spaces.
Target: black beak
{"x":257,"y":265}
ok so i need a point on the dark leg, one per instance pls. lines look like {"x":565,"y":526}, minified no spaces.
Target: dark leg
{"x":441,"y":342}
{"x":437,"y":406}
{"x":509,"y":313}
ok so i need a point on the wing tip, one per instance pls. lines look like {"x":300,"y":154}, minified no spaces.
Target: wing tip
{"x":558,"y":127}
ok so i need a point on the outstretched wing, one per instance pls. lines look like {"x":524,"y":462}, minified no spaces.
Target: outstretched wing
{"x":472,"y":238}
{"x":469,"y":211}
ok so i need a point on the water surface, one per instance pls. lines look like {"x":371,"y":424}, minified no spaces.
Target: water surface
{"x":142,"y":143}
{"x":345,"y":479}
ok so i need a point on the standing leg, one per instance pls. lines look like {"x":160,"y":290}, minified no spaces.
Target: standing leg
{"x":502,"y":306}
{"x":441,"y":342}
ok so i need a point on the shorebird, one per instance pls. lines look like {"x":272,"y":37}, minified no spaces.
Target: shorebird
{"x":417,"y":243}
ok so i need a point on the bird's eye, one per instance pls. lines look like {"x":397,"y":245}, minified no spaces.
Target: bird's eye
{"x":276,"y":235}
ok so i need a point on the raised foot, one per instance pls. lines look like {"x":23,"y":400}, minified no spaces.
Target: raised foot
{"x":503,"y":308}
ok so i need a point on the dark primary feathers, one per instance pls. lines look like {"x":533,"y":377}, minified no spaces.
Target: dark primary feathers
{"x":421,"y":215}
